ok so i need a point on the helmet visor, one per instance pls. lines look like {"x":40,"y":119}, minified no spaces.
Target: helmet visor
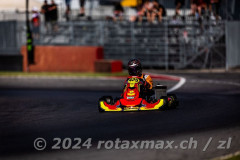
{"x":135,"y":71}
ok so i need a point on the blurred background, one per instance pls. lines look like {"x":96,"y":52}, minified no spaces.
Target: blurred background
{"x":175,"y":34}
{"x":58,"y":57}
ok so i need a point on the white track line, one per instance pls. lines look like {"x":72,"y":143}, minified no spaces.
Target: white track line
{"x":215,"y":82}
{"x":178,"y":85}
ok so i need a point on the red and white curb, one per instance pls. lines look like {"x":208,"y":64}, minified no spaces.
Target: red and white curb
{"x":181,"y":80}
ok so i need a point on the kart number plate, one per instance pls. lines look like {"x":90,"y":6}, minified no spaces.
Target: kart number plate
{"x":130,"y":97}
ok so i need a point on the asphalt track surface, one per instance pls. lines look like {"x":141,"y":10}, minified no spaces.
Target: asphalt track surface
{"x":49,"y":108}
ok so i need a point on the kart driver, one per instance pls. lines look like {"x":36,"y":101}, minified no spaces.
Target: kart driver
{"x":135,"y":69}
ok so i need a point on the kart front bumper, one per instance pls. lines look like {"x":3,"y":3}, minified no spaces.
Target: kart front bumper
{"x":119,"y":107}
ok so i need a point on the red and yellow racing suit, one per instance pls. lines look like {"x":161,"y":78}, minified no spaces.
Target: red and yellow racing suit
{"x":147,"y":84}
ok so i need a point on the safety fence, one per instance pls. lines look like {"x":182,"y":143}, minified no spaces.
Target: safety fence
{"x":8,"y":40}
{"x":232,"y":44}
{"x":174,"y":43}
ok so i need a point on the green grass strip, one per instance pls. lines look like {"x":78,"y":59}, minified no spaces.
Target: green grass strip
{"x":62,"y":74}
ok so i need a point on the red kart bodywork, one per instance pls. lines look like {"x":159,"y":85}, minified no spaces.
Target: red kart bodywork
{"x":131,"y":100}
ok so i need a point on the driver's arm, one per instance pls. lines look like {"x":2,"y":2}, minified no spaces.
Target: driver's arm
{"x":149,"y":82}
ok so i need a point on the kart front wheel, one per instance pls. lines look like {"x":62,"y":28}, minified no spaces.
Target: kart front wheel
{"x":107,"y":99}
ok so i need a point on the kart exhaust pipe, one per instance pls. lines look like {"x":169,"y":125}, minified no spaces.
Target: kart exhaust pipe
{"x":160,"y":91}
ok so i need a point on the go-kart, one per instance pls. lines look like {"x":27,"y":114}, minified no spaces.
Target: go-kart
{"x":135,"y":98}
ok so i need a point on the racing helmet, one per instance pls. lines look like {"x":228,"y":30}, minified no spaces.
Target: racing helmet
{"x":134,"y":67}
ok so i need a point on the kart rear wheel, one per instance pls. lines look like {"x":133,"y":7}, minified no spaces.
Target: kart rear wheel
{"x":172,"y":101}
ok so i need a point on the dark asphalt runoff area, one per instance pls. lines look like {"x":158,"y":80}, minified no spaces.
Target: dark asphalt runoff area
{"x":63,"y":108}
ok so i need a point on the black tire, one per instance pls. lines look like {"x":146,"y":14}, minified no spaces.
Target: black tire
{"x":174,"y":103}
{"x":107,"y":99}
{"x":165,"y":106}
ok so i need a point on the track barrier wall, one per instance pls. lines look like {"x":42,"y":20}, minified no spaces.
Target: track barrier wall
{"x":63,"y":58}
{"x":108,"y":66}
